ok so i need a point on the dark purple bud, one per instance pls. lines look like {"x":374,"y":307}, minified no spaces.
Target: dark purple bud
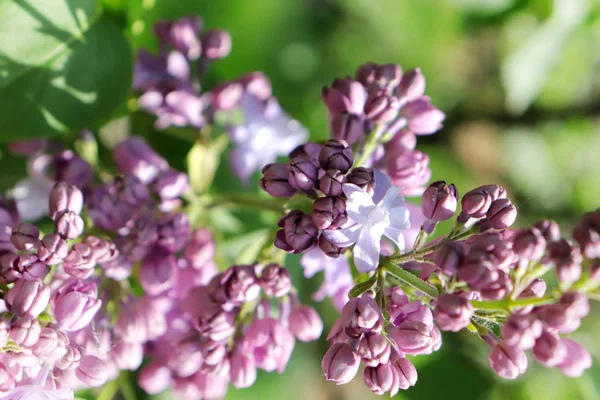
{"x":549,"y":230}
{"x":587,"y":234}
{"x":329,"y":212}
{"x":365,"y":74}
{"x":336,"y":154}
{"x":25,"y":236}
{"x":216,"y":44}
{"x":303,"y":174}
{"x":422,"y":117}
{"x":347,"y":127}
{"x":507,"y":361}
{"x":412,"y":337}
{"x":80,"y":261}
{"x":330,"y":249}
{"x":529,"y":244}
{"x":171,"y":184}
{"x":331,"y":183}
{"x":64,"y":197}
{"x":388,"y":75}
{"x":237,"y":285}
{"x":305,"y":323}
{"x":25,"y":331}
{"x":379,"y":379}
{"x":275,"y":280}
{"x":502,"y":214}
{"x":361,"y":315}
{"x":340,"y":364}
{"x":578,"y":359}
{"x":410,"y":169}
{"x":69,"y":225}
{"x":439,"y":201}
{"x":363,"y":178}
{"x":52,"y":249}
{"x":299,"y":232}
{"x":374,"y":349}
{"x":406,"y":374}
{"x":566,"y":259}
{"x":72,"y":169}
{"x":548,"y":349}
{"x":310,"y":150}
{"x":275,"y":180}
{"x":412,"y":85}
{"x":476,"y":203}
{"x":134,"y":156}
{"x":521,"y":330}
{"x":452,"y":312}
{"x":381,"y":108}
{"x":27,"y":298}
{"x":449,"y":257}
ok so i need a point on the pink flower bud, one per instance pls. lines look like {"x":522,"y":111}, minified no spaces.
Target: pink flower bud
{"x":361,"y":315}
{"x":80,"y":261}
{"x":452,"y":312}
{"x":75,"y":305}
{"x":236,"y":285}
{"x":7,"y":382}
{"x":347,"y":127}
{"x":410,"y":169}
{"x":28,"y":298}
{"x":412,"y":337}
{"x":157,"y":272}
{"x":70,"y":360}
{"x":154,"y":378}
{"x":529,"y":244}
{"x":64,"y":197}
{"x":587,"y":234}
{"x":507,"y":361}
{"x":422,"y":117}
{"x":271,"y":344}
{"x":449,"y":257}
{"x":92,"y":371}
{"x":25,"y":236}
{"x":275,"y":280}
{"x":374,"y":349}
{"x":51,"y":345}
{"x":305,"y":323}
{"x":216,"y":44}
{"x":243,"y":370}
{"x":578,"y":359}
{"x":25,"y":331}
{"x":135,"y":157}
{"x":379,"y":379}
{"x":68,"y":224}
{"x":340,"y":364}
{"x":549,"y":350}
{"x":412,"y":85}
{"x":476,"y":203}
{"x":406,"y":373}
{"x":52,"y":249}
{"x":439,"y":201}
{"x":567,"y":260}
{"x":521,"y":330}
{"x":502,"y":214}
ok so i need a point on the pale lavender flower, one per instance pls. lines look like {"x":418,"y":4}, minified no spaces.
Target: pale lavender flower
{"x":36,"y":390}
{"x":374,"y":218}
{"x":267,"y":132}
{"x":338,"y":277}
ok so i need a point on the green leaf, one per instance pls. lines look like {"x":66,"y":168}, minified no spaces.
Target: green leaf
{"x":362,"y":287}
{"x":63,"y":67}
{"x":203,"y":160}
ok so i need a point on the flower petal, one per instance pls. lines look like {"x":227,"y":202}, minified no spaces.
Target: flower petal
{"x":358,"y":203}
{"x":392,"y":199}
{"x":343,"y":237}
{"x":382,"y":184}
{"x":367,"y":250}
{"x":396,"y":236}
{"x":400,"y":218}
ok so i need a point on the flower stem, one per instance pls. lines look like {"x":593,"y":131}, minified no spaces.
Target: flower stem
{"x":369,"y":147}
{"x":409,"y":278}
{"x":508,"y":304}
{"x":246,"y":200}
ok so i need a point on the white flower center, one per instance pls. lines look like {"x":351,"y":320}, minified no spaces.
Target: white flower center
{"x":378,"y":216}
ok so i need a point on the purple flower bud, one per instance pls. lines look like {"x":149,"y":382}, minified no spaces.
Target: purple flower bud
{"x":64,"y":197}
{"x":271,"y":344}
{"x":412,"y":337}
{"x":92,"y":371}
{"x":25,"y":331}
{"x":449,"y":257}
{"x":216,"y":44}
{"x":406,"y":373}
{"x":363,"y":178}
{"x":345,"y":96}
{"x":549,"y":350}
{"x":422,"y":117}
{"x":275,"y":280}
{"x":173,"y":231}
{"x":452,"y":312}
{"x":154,"y":378}
{"x":567,"y":260}
{"x":303,"y":173}
{"x":182,"y":35}
{"x":549,"y":230}
{"x":374,"y":349}
{"x":502,"y":214}
{"x":75,"y":305}
{"x":379,"y":379}
{"x":577,"y":360}
{"x":243,"y":369}
{"x":537,"y":288}
{"x":499,"y":288}
{"x":330,"y":249}
{"x":299,"y":232}
{"x":331,"y":183}
{"x":381,"y":108}
{"x":340,"y":364}
{"x":329,"y":212}
{"x":478,"y":272}
{"x":68,"y":224}
{"x":25,"y":236}
{"x":4,"y":332}
{"x":51,"y":345}
{"x":412,"y":85}
{"x":80,"y":261}
{"x":565,"y":315}
{"x":28,"y":298}
{"x":410,"y":170}
{"x":52,"y":249}
{"x":305,"y":323}
{"x":336,"y":154}
{"x":102,"y":250}
{"x":29,"y":267}
{"x":157,"y":272}
{"x":361,"y":315}
{"x":134,"y":156}
{"x":237,"y":285}
{"x":521,"y":330}
{"x":171,"y":184}
{"x":476,"y":203}
{"x":200,"y":250}
{"x":587,"y":234}
{"x":275,"y":180}
{"x":7,"y":382}
{"x":347,"y":127}
{"x":70,"y":360}
{"x":186,"y":358}
{"x":72,"y":169}
{"x":529,"y":244}
{"x":507,"y":361}
{"x":439,"y":201}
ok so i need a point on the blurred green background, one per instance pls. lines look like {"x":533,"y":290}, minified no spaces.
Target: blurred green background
{"x":518,"y":79}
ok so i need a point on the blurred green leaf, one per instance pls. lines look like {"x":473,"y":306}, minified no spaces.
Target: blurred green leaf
{"x":63,"y":67}
{"x":203,"y":160}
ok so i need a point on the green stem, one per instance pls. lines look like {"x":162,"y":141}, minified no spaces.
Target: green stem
{"x":508,"y":304}
{"x":408,"y":278}
{"x":246,"y":200}
{"x":369,"y":147}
